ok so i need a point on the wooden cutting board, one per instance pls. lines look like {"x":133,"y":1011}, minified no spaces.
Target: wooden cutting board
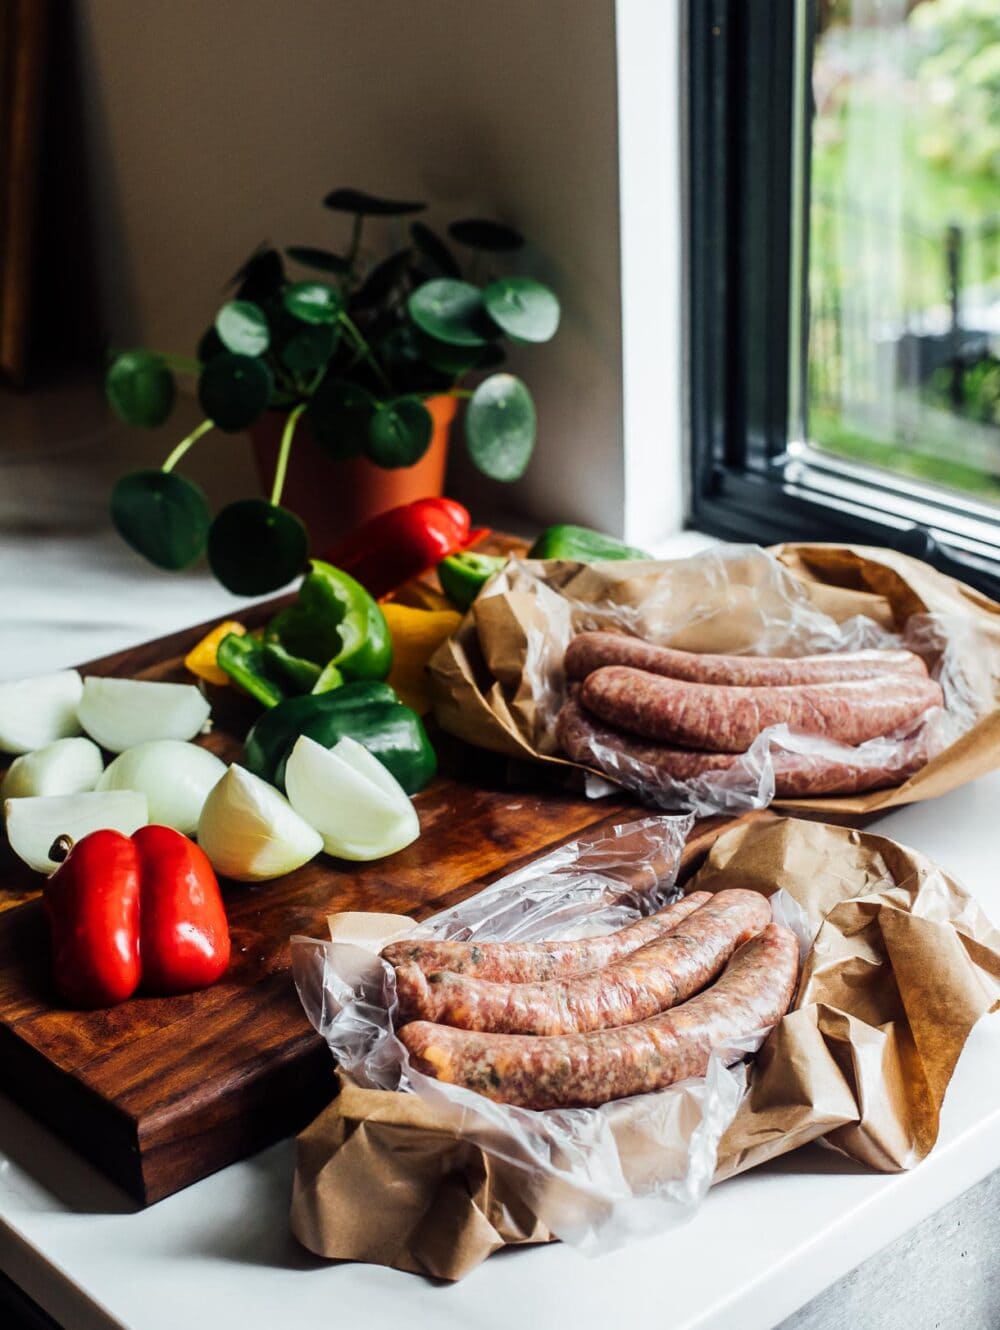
{"x":160,"y":1092}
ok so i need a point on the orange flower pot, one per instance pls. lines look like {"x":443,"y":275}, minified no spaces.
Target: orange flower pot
{"x":333,"y":498}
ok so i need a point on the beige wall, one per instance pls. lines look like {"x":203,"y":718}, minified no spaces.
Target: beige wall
{"x":213,"y":124}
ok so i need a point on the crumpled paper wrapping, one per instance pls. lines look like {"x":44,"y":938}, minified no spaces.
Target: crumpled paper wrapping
{"x":902,"y":965}
{"x":497,"y":683}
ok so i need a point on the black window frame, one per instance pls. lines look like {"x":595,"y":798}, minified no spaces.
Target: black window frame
{"x":743,"y":142}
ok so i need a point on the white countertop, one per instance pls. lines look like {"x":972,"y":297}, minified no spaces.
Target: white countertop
{"x":221,"y":1254}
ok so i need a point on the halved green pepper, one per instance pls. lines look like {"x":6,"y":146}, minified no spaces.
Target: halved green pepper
{"x":463,"y":576}
{"x":582,"y":544}
{"x":369,"y":712}
{"x":245,"y":661}
{"x":335,"y":625}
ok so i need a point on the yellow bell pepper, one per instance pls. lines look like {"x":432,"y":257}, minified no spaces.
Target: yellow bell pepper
{"x":419,"y":596}
{"x":200,"y":660}
{"x":416,"y":635}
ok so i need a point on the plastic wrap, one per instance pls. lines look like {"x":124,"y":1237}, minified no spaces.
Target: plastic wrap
{"x":594,"y":1177}
{"x":752,"y":605}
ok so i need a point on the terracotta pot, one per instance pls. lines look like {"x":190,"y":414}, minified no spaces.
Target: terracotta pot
{"x":333,"y":498}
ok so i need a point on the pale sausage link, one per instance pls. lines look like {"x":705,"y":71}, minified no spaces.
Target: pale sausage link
{"x":584,"y":1070}
{"x":590,"y":651}
{"x":657,"y":976}
{"x":528,"y":962}
{"x":594,"y":744}
{"x":727,"y":720}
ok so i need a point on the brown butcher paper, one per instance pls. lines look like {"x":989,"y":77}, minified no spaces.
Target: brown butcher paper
{"x":903,"y":964}
{"x":498,"y":682}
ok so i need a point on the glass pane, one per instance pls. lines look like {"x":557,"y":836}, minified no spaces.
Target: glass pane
{"x":904,"y":240}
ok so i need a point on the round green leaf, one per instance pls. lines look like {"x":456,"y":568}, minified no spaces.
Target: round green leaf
{"x":255,"y":547}
{"x":242,"y":327}
{"x":382,"y":279}
{"x":321,"y":259}
{"x":523,"y":308}
{"x":359,"y":203}
{"x":452,"y":312}
{"x":162,"y":515}
{"x":399,"y":352}
{"x":260,"y":277}
{"x":500,"y":427}
{"x":450,"y":360}
{"x":399,"y":433}
{"x":234,"y":391}
{"x":479,"y":233}
{"x":209,"y":346}
{"x":310,"y":347}
{"x":140,"y":388}
{"x":430,"y":244}
{"x":338,"y":417}
{"x":314,"y":302}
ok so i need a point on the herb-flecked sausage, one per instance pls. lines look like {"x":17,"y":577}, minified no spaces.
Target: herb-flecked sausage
{"x":657,"y":976}
{"x":796,"y":775}
{"x":584,"y":1070}
{"x":590,"y":651}
{"x":527,"y":962}
{"x":724,"y":719}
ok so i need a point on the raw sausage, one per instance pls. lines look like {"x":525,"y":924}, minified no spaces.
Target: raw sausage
{"x":528,"y":962}
{"x":597,"y":745}
{"x":590,"y":651}
{"x":584,"y":1070}
{"x":648,"y":981}
{"x":724,"y":719}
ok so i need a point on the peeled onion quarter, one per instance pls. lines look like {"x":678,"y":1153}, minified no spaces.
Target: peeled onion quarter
{"x":122,"y":713}
{"x":68,"y":766}
{"x":175,"y":777}
{"x":353,"y":801}
{"x":35,"y":824}
{"x":251,"y":833}
{"x":36,"y":712}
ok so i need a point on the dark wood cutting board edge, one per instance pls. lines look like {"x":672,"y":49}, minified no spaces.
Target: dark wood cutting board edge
{"x":158,"y":1093}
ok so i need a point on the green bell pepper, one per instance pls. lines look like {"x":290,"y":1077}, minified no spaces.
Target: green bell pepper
{"x":301,"y":674}
{"x":369,"y":712}
{"x":581,"y":544}
{"x":463,"y":575}
{"x":334,"y":624}
{"x":244,"y":659}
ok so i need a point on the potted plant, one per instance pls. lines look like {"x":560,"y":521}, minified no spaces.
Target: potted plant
{"x":363,"y":368}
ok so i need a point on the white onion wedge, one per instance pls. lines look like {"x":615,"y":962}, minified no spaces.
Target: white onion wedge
{"x":68,"y":766}
{"x":121,"y":713}
{"x":175,"y":777}
{"x":251,"y":833}
{"x":353,"y":801}
{"x":36,"y":712}
{"x":33,"y":824}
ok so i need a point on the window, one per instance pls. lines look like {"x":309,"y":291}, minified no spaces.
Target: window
{"x":845,"y":274}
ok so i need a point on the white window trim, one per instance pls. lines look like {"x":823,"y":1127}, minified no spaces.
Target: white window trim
{"x":654,"y":392}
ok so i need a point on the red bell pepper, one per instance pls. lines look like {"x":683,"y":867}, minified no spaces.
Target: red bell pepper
{"x":125,"y":911}
{"x":404,"y":542}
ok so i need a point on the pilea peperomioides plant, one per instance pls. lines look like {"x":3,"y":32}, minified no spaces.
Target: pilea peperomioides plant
{"x":355,"y":354}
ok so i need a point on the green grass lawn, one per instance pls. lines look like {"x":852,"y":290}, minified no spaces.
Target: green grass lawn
{"x":828,"y":432}
{"x":881,"y":205}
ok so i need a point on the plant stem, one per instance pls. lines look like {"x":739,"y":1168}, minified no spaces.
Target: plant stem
{"x":365,"y":350}
{"x":286,"y":447}
{"x":185,"y":444}
{"x":352,"y":254}
{"x":183,"y":364}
